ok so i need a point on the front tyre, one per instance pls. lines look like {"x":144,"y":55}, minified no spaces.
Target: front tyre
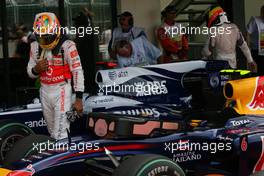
{"x":148,"y":165}
{"x":10,"y":133}
{"x":24,"y":148}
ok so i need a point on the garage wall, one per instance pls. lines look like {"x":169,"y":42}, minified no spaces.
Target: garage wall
{"x":147,"y":16}
{"x":252,"y":8}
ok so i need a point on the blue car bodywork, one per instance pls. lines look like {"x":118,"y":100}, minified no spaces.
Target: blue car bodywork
{"x":174,"y":86}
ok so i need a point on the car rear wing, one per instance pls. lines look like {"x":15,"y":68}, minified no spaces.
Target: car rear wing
{"x":246,"y":96}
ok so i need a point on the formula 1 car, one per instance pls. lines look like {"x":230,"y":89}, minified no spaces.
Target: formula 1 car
{"x":138,"y":145}
{"x":156,"y":90}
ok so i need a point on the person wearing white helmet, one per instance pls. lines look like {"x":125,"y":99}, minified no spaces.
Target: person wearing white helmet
{"x":223,"y":44}
{"x":55,"y":60}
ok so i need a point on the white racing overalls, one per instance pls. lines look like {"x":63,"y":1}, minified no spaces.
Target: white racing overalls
{"x":224,"y":44}
{"x":56,"y":89}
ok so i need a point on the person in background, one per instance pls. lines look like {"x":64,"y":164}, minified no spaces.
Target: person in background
{"x":126,"y":31}
{"x":255,"y":39}
{"x":174,"y":44}
{"x":87,"y":46}
{"x":23,"y":44}
{"x":223,"y":45}
{"x":139,"y":52}
{"x":24,"y":37}
{"x":55,"y":60}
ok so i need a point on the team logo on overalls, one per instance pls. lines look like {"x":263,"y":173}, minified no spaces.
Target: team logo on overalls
{"x":49,"y":71}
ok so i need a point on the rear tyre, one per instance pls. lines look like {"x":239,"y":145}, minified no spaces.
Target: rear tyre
{"x":149,"y":164}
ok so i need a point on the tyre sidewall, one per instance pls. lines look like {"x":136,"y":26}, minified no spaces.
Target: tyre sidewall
{"x":24,"y":147}
{"x":7,"y":132}
{"x":148,"y":165}
{"x":160,"y":167}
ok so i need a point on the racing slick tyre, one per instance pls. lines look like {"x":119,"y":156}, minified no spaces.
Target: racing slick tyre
{"x":148,"y":164}
{"x":25,"y":147}
{"x":10,"y":133}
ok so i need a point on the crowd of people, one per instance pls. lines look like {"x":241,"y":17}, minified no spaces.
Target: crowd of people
{"x":130,"y":47}
{"x":129,"y":44}
{"x":55,"y":60}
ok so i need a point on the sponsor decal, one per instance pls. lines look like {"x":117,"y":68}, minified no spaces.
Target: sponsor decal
{"x":143,"y":111}
{"x":74,"y":53}
{"x":105,"y":100}
{"x":244,"y":144}
{"x":150,"y":88}
{"x":237,"y":131}
{"x":186,"y":156}
{"x":224,"y":79}
{"x":29,"y":172}
{"x":59,"y":56}
{"x":239,"y":122}
{"x":57,"y":62}
{"x":158,"y":170}
{"x":75,"y":65}
{"x":224,"y":138}
{"x":257,"y":101}
{"x":77,"y":59}
{"x":52,"y":79}
{"x":122,"y":74}
{"x":36,"y":123}
{"x":49,"y":71}
{"x":114,"y":74}
{"x":214,"y":80}
{"x":62,"y":99}
{"x":26,"y":160}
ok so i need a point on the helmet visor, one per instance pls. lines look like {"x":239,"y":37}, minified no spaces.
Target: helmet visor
{"x":46,"y":39}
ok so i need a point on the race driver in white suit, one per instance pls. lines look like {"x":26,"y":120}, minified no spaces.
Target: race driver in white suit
{"x":55,"y":60}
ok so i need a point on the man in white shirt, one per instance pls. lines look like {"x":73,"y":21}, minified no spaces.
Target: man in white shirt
{"x":139,"y":52}
{"x":223,"y":45}
{"x":126,"y":31}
